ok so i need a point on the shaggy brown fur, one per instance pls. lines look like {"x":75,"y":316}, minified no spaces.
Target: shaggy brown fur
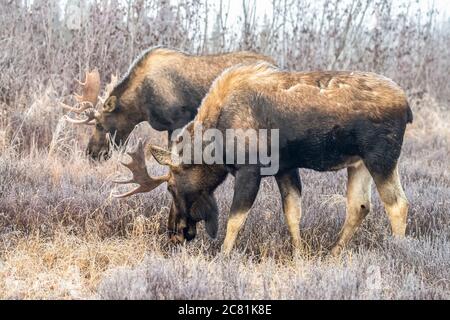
{"x":326,"y":120}
{"x":338,"y":92}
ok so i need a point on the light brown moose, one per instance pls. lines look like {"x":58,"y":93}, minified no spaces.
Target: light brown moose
{"x":327,"y":121}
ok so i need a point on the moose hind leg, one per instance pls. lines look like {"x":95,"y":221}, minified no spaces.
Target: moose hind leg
{"x":358,"y":204}
{"x":246,"y":189}
{"x":394,"y":200}
{"x":291,"y":193}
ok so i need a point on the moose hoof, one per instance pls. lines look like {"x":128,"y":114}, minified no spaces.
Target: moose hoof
{"x":336,"y":250}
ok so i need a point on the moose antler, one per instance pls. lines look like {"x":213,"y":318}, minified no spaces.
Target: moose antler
{"x":87,"y":101}
{"x":90,"y":116}
{"x":91,"y":88}
{"x":140,"y":175}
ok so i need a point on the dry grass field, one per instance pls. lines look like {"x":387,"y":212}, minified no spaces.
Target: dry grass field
{"x":63,"y":236}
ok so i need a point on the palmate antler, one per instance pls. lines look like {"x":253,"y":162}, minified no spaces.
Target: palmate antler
{"x":87,"y":101}
{"x":140,"y":175}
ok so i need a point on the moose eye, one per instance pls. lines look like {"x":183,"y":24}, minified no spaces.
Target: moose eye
{"x":99,"y":127}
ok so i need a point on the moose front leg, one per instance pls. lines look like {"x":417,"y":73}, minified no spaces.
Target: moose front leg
{"x":246,"y":189}
{"x":291,"y":194}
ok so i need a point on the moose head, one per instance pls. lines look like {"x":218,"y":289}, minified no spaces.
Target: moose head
{"x":191,"y":187}
{"x":106,"y":114}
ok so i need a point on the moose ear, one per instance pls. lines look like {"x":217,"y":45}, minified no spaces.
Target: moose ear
{"x":110,"y":104}
{"x":163,"y":156}
{"x":205,"y":208}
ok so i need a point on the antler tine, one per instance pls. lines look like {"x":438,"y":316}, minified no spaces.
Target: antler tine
{"x":123,"y":182}
{"x":85,"y":106}
{"x":90,"y":118}
{"x":88,"y":99}
{"x":91,"y":88}
{"x":138,"y":154}
{"x":80,"y":83}
{"x":74,"y":121}
{"x":139,"y":173}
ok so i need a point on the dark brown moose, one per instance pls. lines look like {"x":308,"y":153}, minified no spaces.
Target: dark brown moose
{"x":163,"y":86}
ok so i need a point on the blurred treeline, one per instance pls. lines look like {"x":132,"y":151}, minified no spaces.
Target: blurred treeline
{"x":48,"y":43}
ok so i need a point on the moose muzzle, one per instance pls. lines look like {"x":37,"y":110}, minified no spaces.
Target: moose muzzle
{"x":183,"y":234}
{"x":98,"y":151}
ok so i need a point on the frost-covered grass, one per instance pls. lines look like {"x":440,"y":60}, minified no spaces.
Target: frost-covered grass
{"x":63,"y":236}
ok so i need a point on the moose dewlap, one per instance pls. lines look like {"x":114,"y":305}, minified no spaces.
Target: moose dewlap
{"x":326,"y":121}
